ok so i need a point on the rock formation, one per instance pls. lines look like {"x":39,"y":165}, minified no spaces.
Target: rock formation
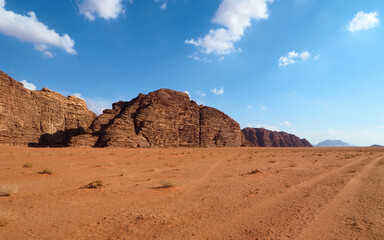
{"x":163,"y":118}
{"x":39,"y":117}
{"x":261,"y":137}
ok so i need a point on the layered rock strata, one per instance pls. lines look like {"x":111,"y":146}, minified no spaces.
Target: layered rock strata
{"x":39,"y":117}
{"x":163,"y":118}
{"x":261,"y":137}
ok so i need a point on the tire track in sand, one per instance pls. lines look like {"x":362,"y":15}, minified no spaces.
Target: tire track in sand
{"x":284,"y":215}
{"x":329,"y":224}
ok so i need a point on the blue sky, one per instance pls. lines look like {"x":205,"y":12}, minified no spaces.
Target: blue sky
{"x":308,"y":67}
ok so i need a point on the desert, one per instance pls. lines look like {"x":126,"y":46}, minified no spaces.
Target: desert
{"x":193,"y":193}
{"x":180,"y":119}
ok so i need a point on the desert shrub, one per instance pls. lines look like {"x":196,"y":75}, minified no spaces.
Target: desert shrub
{"x":28,"y":165}
{"x":272,"y":161}
{"x":47,"y":170}
{"x":8,"y":190}
{"x":254,"y":172}
{"x":94,"y":185}
{"x":293,"y":164}
{"x":5,"y":218}
{"x":168,"y":183}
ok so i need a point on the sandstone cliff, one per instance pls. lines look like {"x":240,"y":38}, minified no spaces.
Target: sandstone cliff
{"x":163,"y":118}
{"x":39,"y":117}
{"x":261,"y":137}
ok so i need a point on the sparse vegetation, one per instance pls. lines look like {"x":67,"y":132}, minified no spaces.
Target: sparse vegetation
{"x":8,"y":190}
{"x":381,"y":161}
{"x":28,"y":165}
{"x":293,"y":164}
{"x":168,"y":183}
{"x":272,"y":161}
{"x":5,"y":218}
{"x":94,"y":185}
{"x":254,"y":172}
{"x":47,"y":170}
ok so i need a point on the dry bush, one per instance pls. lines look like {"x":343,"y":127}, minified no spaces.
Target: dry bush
{"x":254,"y":172}
{"x":94,"y":185}
{"x":168,"y":183}
{"x":8,"y":190}
{"x":47,"y":170}
{"x":28,"y":165}
{"x":5,"y":218}
{"x":293,"y":164}
{"x":272,"y":161}
{"x":381,"y":161}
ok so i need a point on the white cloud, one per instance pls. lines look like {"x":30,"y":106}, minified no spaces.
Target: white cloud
{"x":363,"y":21}
{"x":163,"y":6}
{"x":78,"y":95}
{"x":219,"y":91}
{"x":195,"y":56}
{"x":263,"y":108}
{"x":257,"y":125}
{"x":28,"y":28}
{"x":26,"y":84}
{"x":201,"y":94}
{"x":249,"y":106}
{"x":293,"y":57}
{"x":286,"y":124}
{"x":106,"y":9}
{"x":96,"y":105}
{"x":235,"y":16}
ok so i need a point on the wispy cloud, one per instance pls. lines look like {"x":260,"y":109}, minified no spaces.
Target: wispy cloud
{"x":363,"y":21}
{"x":105,"y":9}
{"x":360,"y":136}
{"x":201,"y":93}
{"x":235,"y":16}
{"x":29,"y":29}
{"x":195,"y":56}
{"x":96,"y":105}
{"x":293,"y":57}
{"x":285,"y":124}
{"x":249,"y":106}
{"x":257,"y":125}
{"x":28,"y":85}
{"x":218,"y":91}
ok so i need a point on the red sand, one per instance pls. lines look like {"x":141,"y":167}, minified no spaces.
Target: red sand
{"x":299,"y":193}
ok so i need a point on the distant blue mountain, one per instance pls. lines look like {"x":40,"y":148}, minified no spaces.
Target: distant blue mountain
{"x":333,"y":143}
{"x":376,"y":145}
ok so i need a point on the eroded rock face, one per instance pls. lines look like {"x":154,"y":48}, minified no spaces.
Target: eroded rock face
{"x":261,"y":137}
{"x":39,"y":117}
{"x":163,"y":118}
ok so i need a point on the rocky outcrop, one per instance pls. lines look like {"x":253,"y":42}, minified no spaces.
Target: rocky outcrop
{"x":261,"y":137}
{"x":39,"y":117}
{"x":163,"y":118}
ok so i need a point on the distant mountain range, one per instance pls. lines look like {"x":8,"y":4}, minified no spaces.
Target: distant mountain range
{"x":333,"y":143}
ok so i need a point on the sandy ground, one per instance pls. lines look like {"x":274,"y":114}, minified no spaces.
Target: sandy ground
{"x":292,"y":194}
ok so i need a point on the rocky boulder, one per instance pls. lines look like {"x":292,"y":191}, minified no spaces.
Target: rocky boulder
{"x":261,"y":137}
{"x":39,"y":117}
{"x":163,"y":118}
